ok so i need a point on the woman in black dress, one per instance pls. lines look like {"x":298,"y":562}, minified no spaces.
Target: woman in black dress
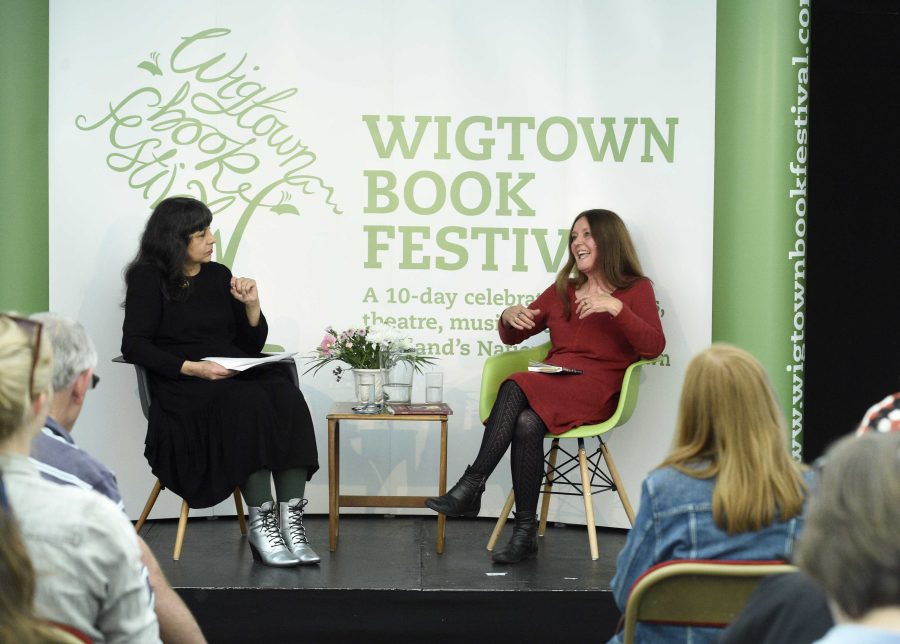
{"x":212,"y":429}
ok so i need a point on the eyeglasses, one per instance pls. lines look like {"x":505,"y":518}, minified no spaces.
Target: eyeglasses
{"x":95,"y":380}
{"x":33,"y":329}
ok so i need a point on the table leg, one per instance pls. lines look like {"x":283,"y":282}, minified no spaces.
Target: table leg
{"x":442,"y":487}
{"x":337,"y":479}
{"x":333,"y":486}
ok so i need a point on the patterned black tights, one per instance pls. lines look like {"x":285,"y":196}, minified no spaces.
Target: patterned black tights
{"x":512,"y":421}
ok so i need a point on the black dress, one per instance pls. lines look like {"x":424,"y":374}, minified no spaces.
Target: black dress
{"x":205,"y":437}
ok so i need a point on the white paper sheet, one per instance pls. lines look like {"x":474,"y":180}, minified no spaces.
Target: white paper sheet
{"x":242,"y":364}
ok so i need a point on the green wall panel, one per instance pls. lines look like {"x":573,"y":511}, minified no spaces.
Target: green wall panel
{"x":24,"y":55}
{"x":759,"y":250}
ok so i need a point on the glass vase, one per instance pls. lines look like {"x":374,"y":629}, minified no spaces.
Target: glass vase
{"x":369,"y":385}
{"x":399,"y":368}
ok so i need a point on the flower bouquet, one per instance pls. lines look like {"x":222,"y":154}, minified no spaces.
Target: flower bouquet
{"x":362,"y":350}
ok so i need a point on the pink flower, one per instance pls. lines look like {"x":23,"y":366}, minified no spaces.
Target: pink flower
{"x":326,"y":344}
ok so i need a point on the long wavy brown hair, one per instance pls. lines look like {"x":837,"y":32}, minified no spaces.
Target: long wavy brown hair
{"x":618,"y":260}
{"x":730,"y":427}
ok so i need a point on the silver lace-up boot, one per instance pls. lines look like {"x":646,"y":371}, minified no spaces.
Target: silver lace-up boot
{"x":293,"y":531}
{"x":265,"y":539}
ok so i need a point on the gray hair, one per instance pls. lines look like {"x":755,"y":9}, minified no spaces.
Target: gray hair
{"x":850,"y":540}
{"x":73,"y":349}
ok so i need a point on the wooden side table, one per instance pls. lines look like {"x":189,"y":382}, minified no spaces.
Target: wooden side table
{"x":336,"y":500}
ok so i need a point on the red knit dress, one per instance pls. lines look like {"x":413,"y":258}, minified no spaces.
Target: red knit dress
{"x":601,"y":345}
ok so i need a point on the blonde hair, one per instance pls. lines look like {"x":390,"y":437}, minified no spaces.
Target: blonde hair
{"x":16,"y":351}
{"x":17,"y":619}
{"x":730,"y":427}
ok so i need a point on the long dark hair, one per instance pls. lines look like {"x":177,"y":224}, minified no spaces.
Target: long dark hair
{"x":619,"y":262}
{"x":165,"y":241}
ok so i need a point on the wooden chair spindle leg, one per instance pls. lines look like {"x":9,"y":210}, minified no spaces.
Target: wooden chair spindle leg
{"x":239,"y":506}
{"x":151,"y":500}
{"x":501,"y":520}
{"x":182,"y":526}
{"x":548,"y":486}
{"x":588,"y":502}
{"x":617,"y":480}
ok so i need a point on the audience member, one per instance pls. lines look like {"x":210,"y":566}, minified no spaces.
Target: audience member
{"x":850,"y":544}
{"x":793,"y":608}
{"x":59,"y":459}
{"x":53,"y":451}
{"x":87,"y":563}
{"x":883,"y":416}
{"x":18,"y":622}
{"x":727,"y":490}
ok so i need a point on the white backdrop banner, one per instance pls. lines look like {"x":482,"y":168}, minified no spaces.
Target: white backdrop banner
{"x":416,"y":163}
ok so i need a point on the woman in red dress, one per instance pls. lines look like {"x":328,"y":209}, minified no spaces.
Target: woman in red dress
{"x":602,"y":316}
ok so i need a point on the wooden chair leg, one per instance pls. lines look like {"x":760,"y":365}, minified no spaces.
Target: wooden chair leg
{"x":548,"y":486}
{"x":151,"y":500}
{"x":242,"y":522}
{"x":501,"y":520}
{"x":617,"y":481}
{"x":182,"y":526}
{"x":588,"y":502}
{"x":239,"y":507}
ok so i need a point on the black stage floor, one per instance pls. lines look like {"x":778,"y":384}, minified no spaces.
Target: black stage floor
{"x":386,"y":583}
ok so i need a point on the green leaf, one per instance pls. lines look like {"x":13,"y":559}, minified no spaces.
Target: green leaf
{"x":285,"y":209}
{"x":151,"y":67}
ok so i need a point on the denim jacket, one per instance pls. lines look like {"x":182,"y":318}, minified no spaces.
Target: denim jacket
{"x":675,"y":521}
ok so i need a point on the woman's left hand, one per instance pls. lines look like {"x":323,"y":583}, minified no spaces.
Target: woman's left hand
{"x":590,"y":304}
{"x":243,"y":289}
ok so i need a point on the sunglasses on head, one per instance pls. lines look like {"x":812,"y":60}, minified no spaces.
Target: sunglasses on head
{"x":33,"y":329}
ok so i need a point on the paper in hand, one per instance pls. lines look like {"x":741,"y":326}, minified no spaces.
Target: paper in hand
{"x":242,"y":364}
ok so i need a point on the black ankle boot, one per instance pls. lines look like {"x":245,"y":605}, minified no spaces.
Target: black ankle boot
{"x":523,"y":544}
{"x":463,"y":499}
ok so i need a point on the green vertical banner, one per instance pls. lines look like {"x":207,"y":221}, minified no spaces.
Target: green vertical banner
{"x":24,"y":50}
{"x":759,"y":258}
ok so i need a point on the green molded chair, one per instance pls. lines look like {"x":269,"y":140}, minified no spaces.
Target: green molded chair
{"x":699,"y":593}
{"x":593,"y":479}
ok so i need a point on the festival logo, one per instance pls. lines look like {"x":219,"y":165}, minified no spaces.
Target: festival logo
{"x":206,"y":125}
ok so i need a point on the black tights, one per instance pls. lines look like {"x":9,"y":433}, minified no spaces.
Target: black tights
{"x":513,"y":421}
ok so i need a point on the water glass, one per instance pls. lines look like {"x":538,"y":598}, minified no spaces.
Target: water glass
{"x":434,"y":387}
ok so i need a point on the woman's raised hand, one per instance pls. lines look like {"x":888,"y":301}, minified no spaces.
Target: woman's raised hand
{"x":519,"y":317}
{"x":206,"y":370}
{"x":243,"y":289}
{"x":589,"y":304}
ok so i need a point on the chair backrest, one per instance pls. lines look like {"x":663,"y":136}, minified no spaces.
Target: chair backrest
{"x":695,"y":593}
{"x":500,"y":367}
{"x":143,"y":380}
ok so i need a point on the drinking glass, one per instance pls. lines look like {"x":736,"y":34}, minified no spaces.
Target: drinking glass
{"x":434,"y":387}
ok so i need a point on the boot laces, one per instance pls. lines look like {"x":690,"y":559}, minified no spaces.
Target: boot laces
{"x":296,"y":528}
{"x":270,"y":527}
